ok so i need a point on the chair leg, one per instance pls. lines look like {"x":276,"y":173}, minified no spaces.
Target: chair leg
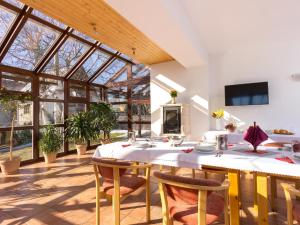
{"x":273,"y":193}
{"x":148,"y":200}
{"x":97,"y":207}
{"x":193,"y":173}
{"x":116,"y":197}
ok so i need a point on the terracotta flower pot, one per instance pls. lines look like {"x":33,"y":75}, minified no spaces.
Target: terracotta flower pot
{"x":49,"y":157}
{"x":10,"y":166}
{"x":81,"y":149}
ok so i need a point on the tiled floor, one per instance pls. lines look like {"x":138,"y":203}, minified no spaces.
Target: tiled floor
{"x":63,"y":194}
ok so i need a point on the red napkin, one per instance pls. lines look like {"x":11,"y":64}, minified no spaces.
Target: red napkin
{"x":259,"y":152}
{"x":126,"y":145}
{"x":189,"y":150}
{"x":254,"y":135}
{"x":285,"y":159}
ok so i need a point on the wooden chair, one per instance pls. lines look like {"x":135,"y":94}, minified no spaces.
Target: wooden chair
{"x":274,"y":179}
{"x":293,"y":208}
{"x":192,"y":201}
{"x":117,"y":183}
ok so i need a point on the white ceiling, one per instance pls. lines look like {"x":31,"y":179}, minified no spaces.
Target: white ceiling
{"x":190,"y":29}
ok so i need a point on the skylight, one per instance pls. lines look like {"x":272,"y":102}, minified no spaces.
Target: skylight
{"x":110,"y":71}
{"x":7,"y":17}
{"x":97,"y":59}
{"x":67,"y":56}
{"x":31,"y":44}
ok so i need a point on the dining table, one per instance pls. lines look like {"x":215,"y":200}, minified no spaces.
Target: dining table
{"x":269,"y":161}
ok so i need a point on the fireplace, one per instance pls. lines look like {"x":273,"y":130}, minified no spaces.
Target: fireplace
{"x":172,"y":119}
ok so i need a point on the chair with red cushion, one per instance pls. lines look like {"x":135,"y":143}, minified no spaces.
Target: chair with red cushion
{"x":116,"y":183}
{"x":293,"y":207}
{"x":192,"y":201}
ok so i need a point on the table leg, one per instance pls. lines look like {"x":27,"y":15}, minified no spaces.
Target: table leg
{"x":262,"y":198}
{"x":297,"y":186}
{"x":255,"y":192}
{"x":234,"y":176}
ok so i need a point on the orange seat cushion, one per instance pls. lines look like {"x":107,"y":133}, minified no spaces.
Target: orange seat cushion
{"x":188,"y":214}
{"x":296,"y":212}
{"x":128,"y":184}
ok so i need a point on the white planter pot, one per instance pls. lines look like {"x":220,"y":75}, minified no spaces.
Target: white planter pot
{"x":220,"y":124}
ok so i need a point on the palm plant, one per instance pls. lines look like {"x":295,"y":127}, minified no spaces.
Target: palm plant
{"x":103,"y":119}
{"x":79,"y":128}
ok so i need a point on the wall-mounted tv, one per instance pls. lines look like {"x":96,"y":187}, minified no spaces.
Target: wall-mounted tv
{"x":247,"y":94}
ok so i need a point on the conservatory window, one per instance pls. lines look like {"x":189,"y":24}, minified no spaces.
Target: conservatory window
{"x":69,"y":53}
{"x":30,"y":46}
{"x":7,"y":17}
{"x":91,"y":65}
{"x":110,"y":71}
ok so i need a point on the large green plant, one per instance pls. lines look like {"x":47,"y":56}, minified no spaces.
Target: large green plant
{"x":79,"y":128}
{"x":10,"y":102}
{"x":103,"y":119}
{"x":51,"y":140}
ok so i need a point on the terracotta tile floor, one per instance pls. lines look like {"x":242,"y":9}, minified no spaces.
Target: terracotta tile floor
{"x":63,"y":194}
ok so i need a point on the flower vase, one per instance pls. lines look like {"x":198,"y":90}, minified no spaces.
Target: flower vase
{"x":173,"y":100}
{"x":219,"y":124}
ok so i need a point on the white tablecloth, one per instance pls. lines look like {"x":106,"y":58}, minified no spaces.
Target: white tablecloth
{"x":163,"y":154}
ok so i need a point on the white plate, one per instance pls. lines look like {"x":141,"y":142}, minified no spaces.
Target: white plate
{"x":297,"y":155}
{"x":201,"y":148}
{"x":141,"y":144}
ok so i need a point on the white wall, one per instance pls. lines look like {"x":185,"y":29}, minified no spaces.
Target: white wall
{"x":192,"y":87}
{"x":272,"y":62}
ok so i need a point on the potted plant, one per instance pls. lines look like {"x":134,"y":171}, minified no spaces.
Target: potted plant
{"x":10,"y":103}
{"x":79,"y":130}
{"x":173,"y":95}
{"x":103,"y":118}
{"x":231,"y":127}
{"x":50,"y":143}
{"x":218,"y":115}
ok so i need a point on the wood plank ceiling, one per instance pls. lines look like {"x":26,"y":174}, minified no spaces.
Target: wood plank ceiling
{"x":98,"y":20}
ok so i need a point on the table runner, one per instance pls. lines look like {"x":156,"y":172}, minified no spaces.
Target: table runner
{"x":163,"y":154}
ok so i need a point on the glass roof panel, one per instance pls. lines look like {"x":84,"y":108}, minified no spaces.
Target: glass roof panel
{"x":122,"y":77}
{"x":85,"y":37}
{"x":48,"y":19}
{"x":91,"y":65}
{"x":30,"y":45}
{"x":110,"y":71}
{"x":140,"y":70}
{"x":7,"y":17}
{"x":69,"y":53}
{"x":15,"y":3}
{"x":108,"y":48}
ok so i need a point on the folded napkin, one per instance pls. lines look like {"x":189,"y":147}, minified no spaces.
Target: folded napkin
{"x":254,"y":135}
{"x":189,"y":150}
{"x":126,"y":145}
{"x":285,"y":159}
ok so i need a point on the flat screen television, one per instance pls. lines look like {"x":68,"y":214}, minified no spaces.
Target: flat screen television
{"x":247,"y":94}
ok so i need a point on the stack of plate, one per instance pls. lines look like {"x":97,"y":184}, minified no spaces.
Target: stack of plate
{"x":205,"y":148}
{"x":141,"y":144}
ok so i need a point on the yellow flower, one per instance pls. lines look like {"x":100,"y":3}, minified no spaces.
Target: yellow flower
{"x":218,"y":114}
